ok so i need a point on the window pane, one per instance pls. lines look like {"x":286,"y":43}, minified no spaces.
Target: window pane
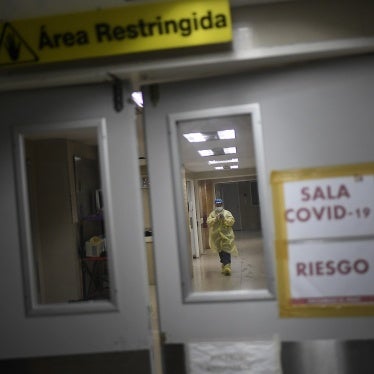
{"x":65,"y":243}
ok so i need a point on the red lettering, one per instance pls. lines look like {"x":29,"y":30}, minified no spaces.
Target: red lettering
{"x":305,"y":193}
{"x":344,"y":267}
{"x":310,"y":268}
{"x":287,"y":213}
{"x":300,"y":269}
{"x":318,"y":194}
{"x":319,"y":268}
{"x":357,"y":266}
{"x":325,"y":193}
{"x":339,"y":212}
{"x":343,"y":192}
{"x":318,"y":213}
{"x":303,"y":214}
{"x":331,"y":267}
{"x":330,"y":195}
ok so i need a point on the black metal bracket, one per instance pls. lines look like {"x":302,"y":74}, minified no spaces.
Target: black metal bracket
{"x":117,"y":89}
{"x":154,"y":91}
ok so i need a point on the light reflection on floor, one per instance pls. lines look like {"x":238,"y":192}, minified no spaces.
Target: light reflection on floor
{"x":248,"y":270}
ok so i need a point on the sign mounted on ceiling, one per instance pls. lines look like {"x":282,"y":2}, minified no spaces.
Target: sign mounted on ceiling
{"x":116,"y":31}
{"x":324,"y":220}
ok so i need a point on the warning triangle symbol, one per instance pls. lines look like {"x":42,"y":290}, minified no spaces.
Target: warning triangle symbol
{"x":13,"y":48}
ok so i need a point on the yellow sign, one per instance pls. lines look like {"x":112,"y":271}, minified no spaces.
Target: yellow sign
{"x":115,"y":31}
{"x":324,"y":240}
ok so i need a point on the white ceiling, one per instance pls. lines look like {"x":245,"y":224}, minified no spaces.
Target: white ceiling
{"x":243,"y":142}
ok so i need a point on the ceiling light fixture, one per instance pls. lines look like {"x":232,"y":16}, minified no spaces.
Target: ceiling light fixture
{"x":226,"y":134}
{"x":229,"y":150}
{"x":206,"y":152}
{"x":219,"y":168}
{"x":137,"y":98}
{"x":234,"y":167}
{"x":213,"y":162}
{"x":195,"y":137}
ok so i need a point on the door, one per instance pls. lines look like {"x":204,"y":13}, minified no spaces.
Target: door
{"x":230,"y":195}
{"x":276,"y":120}
{"x":183,"y":111}
{"x":192,"y":218}
{"x":73,"y":274}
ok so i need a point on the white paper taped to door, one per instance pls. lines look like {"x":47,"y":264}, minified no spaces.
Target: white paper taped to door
{"x":234,"y":357}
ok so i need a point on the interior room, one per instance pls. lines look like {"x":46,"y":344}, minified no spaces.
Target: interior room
{"x":122,"y":122}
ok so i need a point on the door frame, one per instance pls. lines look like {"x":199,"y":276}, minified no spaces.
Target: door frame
{"x":178,"y":202}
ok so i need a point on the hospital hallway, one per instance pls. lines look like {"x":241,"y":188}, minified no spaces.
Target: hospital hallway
{"x":248,"y":269}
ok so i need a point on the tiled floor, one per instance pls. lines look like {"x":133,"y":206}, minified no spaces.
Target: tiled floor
{"x":248,"y":270}
{"x":247,"y":273}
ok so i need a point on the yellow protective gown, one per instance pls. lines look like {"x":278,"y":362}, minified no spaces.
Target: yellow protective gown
{"x":221,"y":234}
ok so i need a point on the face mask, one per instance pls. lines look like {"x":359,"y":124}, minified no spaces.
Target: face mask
{"x":219,"y":208}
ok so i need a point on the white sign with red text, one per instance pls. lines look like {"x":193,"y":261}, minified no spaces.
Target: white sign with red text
{"x":331,"y":272}
{"x":329,"y":207}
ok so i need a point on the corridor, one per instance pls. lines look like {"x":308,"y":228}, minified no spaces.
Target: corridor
{"x":248,"y":270}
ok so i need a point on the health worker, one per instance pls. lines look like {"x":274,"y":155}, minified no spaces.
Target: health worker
{"x":221,"y":235}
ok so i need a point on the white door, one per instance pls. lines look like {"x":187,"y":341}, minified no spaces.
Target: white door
{"x":55,"y":299}
{"x":192,"y":218}
{"x":273,"y":111}
{"x":186,"y":313}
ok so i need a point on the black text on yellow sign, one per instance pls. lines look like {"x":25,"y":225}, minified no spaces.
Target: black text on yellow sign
{"x":110,"y":32}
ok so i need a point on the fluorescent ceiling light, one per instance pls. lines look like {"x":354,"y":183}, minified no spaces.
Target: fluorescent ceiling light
{"x":226,"y":134}
{"x":137,"y":97}
{"x":213,"y":162}
{"x":229,"y":150}
{"x":234,"y":167}
{"x":206,"y":152}
{"x":195,"y":137}
{"x":219,"y":168}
